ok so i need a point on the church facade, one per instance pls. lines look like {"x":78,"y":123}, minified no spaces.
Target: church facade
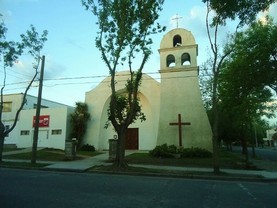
{"x":173,"y":107}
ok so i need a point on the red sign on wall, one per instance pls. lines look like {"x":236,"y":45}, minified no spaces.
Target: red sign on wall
{"x":43,"y":121}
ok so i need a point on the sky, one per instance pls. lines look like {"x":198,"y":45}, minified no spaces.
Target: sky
{"x":73,"y":65}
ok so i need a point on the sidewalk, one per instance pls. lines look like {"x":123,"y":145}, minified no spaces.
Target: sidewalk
{"x":85,"y":164}
{"x":101,"y":159}
{"x":80,"y":165}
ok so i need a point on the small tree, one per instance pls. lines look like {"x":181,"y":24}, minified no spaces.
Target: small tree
{"x":78,"y":121}
{"x":124,"y":30}
{"x":10,"y":51}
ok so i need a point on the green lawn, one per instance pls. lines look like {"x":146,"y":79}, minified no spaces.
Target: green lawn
{"x":27,"y":165}
{"x":50,"y":155}
{"x":227,"y":160}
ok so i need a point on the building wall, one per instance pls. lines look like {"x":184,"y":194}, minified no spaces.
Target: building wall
{"x":177,"y":93}
{"x":180,"y":94}
{"x":58,"y":112}
{"x":98,"y":102}
{"x":52,"y":136}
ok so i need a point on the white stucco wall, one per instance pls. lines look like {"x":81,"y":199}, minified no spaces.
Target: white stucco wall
{"x":58,"y":121}
{"x":98,"y":102}
{"x":180,"y":94}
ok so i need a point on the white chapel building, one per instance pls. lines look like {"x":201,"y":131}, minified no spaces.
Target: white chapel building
{"x":173,"y":107}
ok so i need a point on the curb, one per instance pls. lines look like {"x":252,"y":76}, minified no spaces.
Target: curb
{"x":189,"y":176}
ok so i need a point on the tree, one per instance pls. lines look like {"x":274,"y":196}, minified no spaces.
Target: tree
{"x":243,"y":10}
{"x":79,"y":121}
{"x":246,"y":12}
{"x":124,"y":33}
{"x":10,"y":50}
{"x":247,"y":76}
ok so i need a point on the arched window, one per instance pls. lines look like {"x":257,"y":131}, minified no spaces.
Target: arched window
{"x":185,"y":59}
{"x":177,"y":41}
{"x":170,"y":61}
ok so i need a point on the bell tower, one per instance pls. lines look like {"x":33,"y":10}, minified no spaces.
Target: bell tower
{"x":180,"y":93}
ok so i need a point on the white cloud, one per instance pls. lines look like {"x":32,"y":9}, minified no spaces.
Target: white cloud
{"x":273,"y":11}
{"x":53,"y":69}
{"x":195,"y":21}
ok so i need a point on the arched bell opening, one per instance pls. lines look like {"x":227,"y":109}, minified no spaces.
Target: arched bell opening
{"x":170,"y":61}
{"x":185,"y":59}
{"x":177,"y":41}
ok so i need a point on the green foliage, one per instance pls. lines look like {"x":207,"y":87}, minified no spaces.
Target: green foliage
{"x":125,"y":30}
{"x":124,"y":26}
{"x":162,"y":151}
{"x":9,"y":50}
{"x":78,"y":121}
{"x":124,"y":35}
{"x":34,"y":42}
{"x":248,"y":74}
{"x":88,"y":147}
{"x":194,"y":152}
{"x":169,"y":151}
{"x":245,"y":10}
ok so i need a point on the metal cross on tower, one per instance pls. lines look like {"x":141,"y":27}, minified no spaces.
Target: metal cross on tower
{"x":176,"y":18}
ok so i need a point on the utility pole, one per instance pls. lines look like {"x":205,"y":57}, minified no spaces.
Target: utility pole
{"x":36,"y":126}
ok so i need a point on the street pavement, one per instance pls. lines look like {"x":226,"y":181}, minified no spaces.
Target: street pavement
{"x":83,"y":165}
{"x":36,"y":188}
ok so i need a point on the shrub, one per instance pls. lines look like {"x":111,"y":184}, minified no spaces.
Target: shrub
{"x":194,"y":152}
{"x":88,"y":147}
{"x":163,"y":151}
{"x":170,"y":151}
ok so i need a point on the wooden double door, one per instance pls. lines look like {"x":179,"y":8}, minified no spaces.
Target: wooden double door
{"x":132,"y":139}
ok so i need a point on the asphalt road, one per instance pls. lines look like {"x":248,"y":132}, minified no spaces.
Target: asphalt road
{"x":264,"y":153}
{"x":269,"y":154}
{"x":28,"y":188}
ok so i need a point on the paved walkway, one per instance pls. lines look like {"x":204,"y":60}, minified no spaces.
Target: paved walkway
{"x":101,"y":159}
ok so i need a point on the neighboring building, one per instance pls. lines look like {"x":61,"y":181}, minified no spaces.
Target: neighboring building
{"x":273,"y":127}
{"x":54,"y":122}
{"x":177,"y":93}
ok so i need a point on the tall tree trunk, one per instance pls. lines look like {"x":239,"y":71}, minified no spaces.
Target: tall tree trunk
{"x":2,"y":139}
{"x":215,"y":150}
{"x":215,"y":127}
{"x":1,"y":147}
{"x":120,"y":161}
{"x":245,"y":151}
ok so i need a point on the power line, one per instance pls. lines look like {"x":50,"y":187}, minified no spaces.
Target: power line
{"x":93,"y":82}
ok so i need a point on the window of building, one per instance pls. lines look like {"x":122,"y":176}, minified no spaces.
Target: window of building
{"x":56,"y":131}
{"x":7,"y":107}
{"x":170,"y":61}
{"x":24,"y":132}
